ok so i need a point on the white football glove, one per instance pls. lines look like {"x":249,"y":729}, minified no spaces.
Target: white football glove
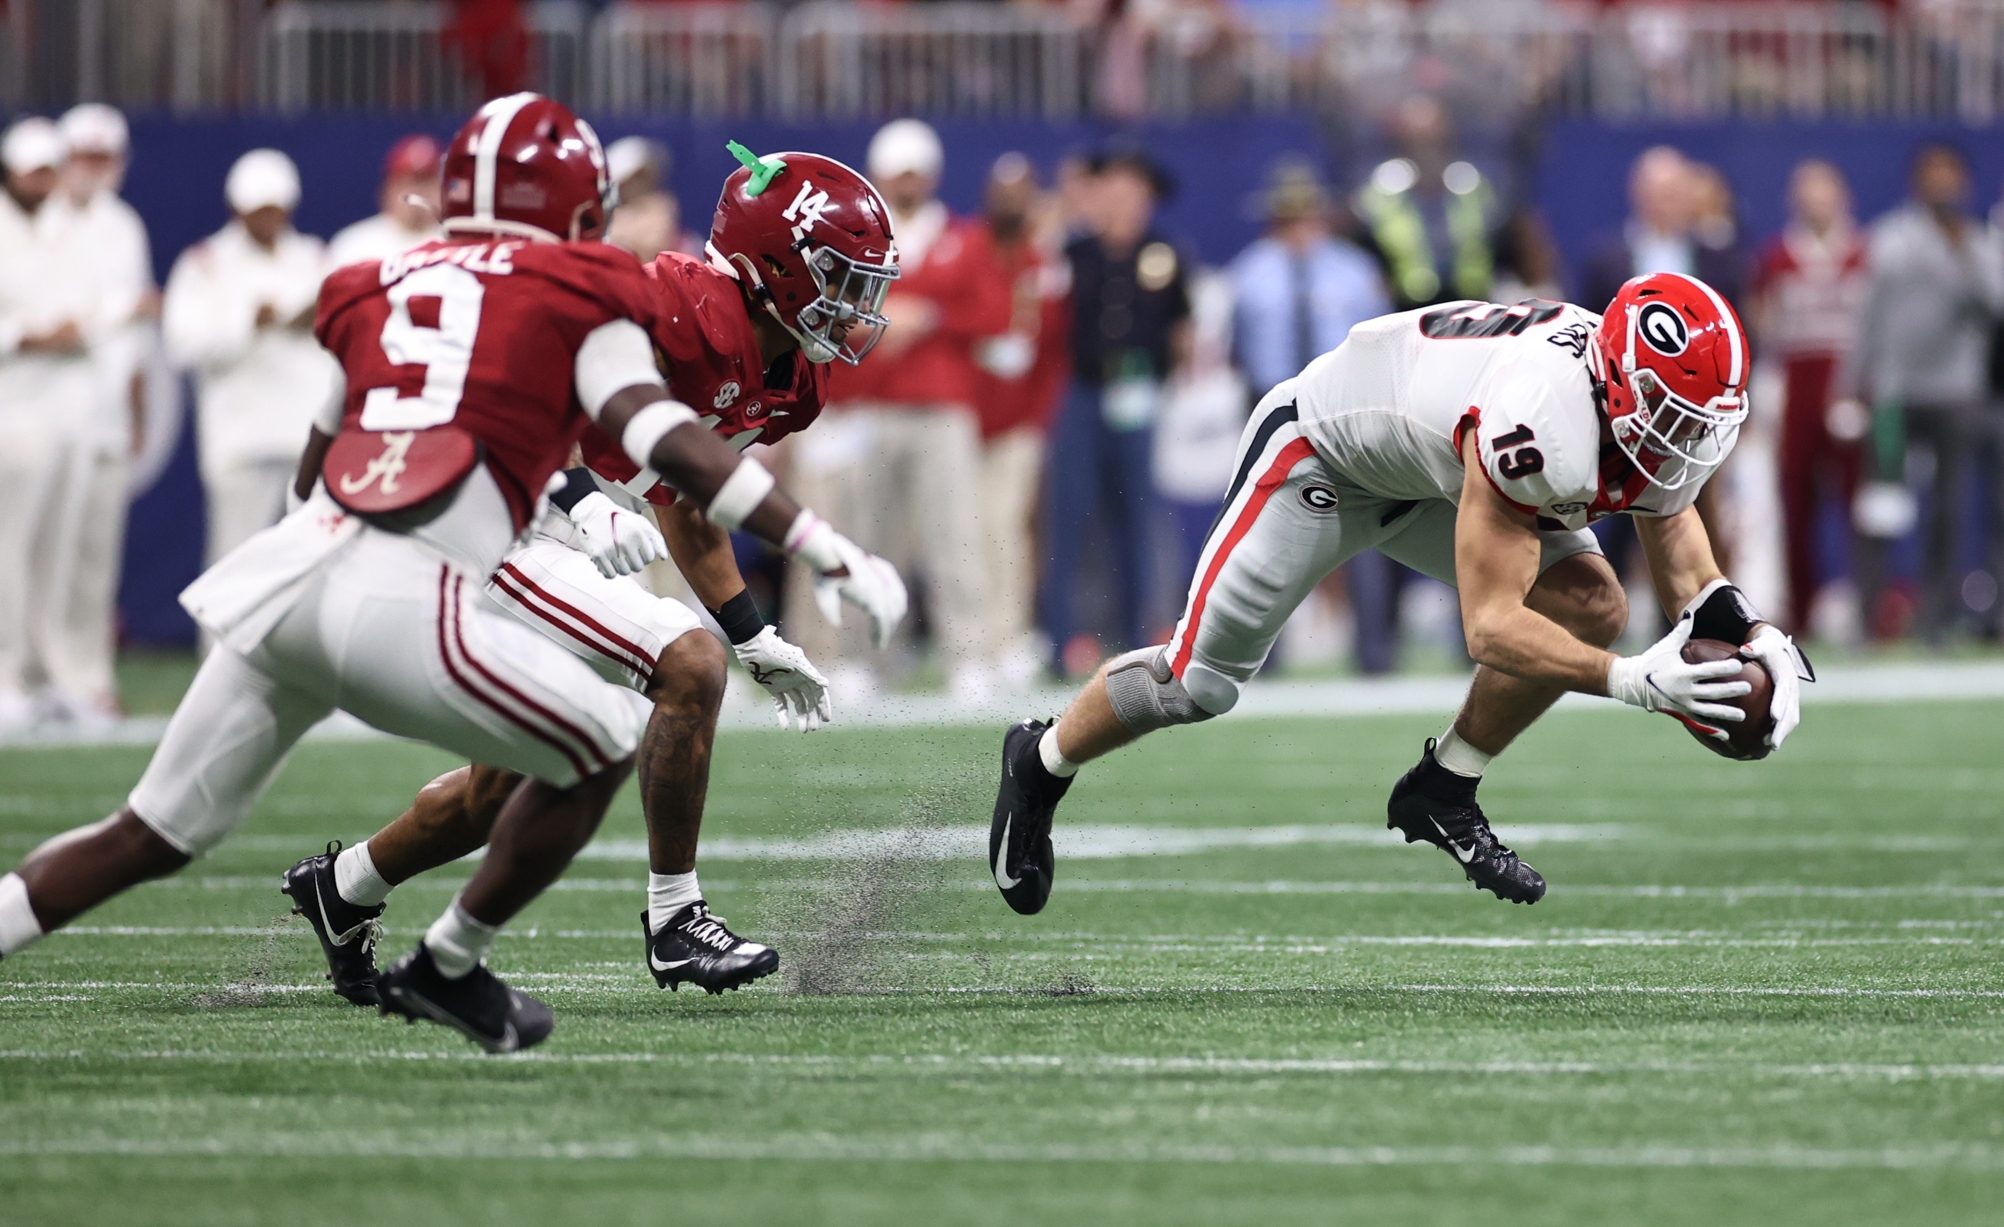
{"x":1660,"y":679}
{"x":799,"y":691}
{"x":871,"y":583}
{"x":1788,"y":669}
{"x":619,"y":541}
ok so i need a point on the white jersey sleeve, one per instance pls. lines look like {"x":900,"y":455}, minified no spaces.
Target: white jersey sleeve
{"x":1543,"y":460}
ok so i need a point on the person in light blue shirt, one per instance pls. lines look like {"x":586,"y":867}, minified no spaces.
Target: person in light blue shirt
{"x":1300,"y":289}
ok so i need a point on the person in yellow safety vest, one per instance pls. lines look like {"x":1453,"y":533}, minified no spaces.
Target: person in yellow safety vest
{"x":1432,"y":218}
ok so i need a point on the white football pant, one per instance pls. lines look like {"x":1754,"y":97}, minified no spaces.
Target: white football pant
{"x":615,"y":625}
{"x":908,"y":478}
{"x":39,"y":445}
{"x":79,"y":638}
{"x":389,"y":632}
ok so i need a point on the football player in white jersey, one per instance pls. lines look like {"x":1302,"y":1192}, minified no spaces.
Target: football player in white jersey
{"x":1473,"y":442}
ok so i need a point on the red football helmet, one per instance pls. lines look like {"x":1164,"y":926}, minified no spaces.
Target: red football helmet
{"x":526,"y":165}
{"x":812,"y":240}
{"x":1672,"y":356}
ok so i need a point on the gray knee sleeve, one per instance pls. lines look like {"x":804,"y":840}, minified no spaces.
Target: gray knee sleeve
{"x":1147,"y":696}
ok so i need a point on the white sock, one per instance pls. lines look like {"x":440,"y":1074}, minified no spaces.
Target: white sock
{"x":459,"y":943}
{"x":1459,"y":757}
{"x":1054,"y":760}
{"x":356,"y":879}
{"x":18,"y":927}
{"x":669,"y":893}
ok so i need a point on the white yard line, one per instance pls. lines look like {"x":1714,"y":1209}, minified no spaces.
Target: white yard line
{"x":1919,"y":681}
{"x":936,"y":1147}
{"x":575,"y":982}
{"x":1092,"y":1064}
{"x":1205,"y":886}
{"x":1109,"y":946}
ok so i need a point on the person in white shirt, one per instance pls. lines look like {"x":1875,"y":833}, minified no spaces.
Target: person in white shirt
{"x":48,"y":318}
{"x":239,"y":312}
{"x":79,"y":642}
{"x":409,"y":202}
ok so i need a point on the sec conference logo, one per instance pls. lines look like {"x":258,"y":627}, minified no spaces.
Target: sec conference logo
{"x":726,"y":395}
{"x":1318,"y":498}
{"x":1663,"y":328}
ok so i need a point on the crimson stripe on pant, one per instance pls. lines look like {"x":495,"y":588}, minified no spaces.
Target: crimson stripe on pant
{"x":1276,"y":474}
{"x":593,"y":749}
{"x":539,"y":601}
{"x":449,"y":587}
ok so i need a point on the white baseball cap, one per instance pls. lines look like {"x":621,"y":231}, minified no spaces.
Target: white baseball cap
{"x":625,"y":156}
{"x":93,"y":127}
{"x":260,"y":179}
{"x":905,"y":145}
{"x":32,"y":144}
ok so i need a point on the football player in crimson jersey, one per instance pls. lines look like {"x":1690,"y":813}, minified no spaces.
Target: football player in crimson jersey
{"x":730,"y":335}
{"x":1473,"y":442}
{"x":473,"y":366}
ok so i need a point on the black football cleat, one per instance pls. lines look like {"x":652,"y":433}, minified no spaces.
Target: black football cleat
{"x":697,"y":947}
{"x":1019,"y":836}
{"x":477,"y":1005}
{"x":1436,"y":805}
{"x":348,"y":932}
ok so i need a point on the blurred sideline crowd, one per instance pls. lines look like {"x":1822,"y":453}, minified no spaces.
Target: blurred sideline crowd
{"x":1047,"y":430}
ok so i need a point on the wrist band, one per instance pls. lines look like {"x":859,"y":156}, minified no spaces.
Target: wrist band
{"x":1722,"y":612}
{"x":797,"y":531}
{"x":740,"y":494}
{"x":740,"y":618}
{"x":813,"y":542}
{"x":576,"y":485}
{"x":647,"y":426}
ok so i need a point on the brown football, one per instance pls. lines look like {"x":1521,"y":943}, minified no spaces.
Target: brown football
{"x":1746,"y":740}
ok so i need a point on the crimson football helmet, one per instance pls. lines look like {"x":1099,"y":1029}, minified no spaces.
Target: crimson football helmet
{"x":526,"y":165}
{"x":1672,"y":357}
{"x":811,"y":239}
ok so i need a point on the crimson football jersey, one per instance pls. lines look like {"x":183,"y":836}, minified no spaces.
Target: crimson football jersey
{"x":714,"y":367}
{"x":482,"y":335}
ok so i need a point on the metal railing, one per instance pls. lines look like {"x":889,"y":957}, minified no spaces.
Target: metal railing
{"x":954,"y":58}
{"x":689,"y":59}
{"x":833,"y":59}
{"x":364,"y":55}
{"x":181,"y":54}
{"x":1793,"y":59}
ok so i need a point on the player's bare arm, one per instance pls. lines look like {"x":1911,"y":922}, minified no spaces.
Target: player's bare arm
{"x":736,"y":491}
{"x":702,"y":552}
{"x":1496,"y":561}
{"x":1681,"y":564}
{"x":311,"y":461}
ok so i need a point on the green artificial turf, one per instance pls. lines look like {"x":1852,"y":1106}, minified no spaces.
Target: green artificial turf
{"x":1757,"y":993}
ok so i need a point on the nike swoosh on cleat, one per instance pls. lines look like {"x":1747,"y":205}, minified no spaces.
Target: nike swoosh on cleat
{"x":1464,"y":856}
{"x":657,"y":965}
{"x":1002,"y":878}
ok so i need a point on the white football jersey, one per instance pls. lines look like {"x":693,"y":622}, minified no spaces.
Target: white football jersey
{"x":1388,"y":408}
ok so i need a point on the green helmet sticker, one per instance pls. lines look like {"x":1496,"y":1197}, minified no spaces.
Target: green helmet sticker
{"x":763,"y":170}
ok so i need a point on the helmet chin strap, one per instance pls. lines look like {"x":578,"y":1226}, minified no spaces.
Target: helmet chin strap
{"x":813,"y":348}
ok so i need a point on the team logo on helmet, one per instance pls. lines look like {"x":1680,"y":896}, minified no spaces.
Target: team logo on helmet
{"x":1664,"y":329}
